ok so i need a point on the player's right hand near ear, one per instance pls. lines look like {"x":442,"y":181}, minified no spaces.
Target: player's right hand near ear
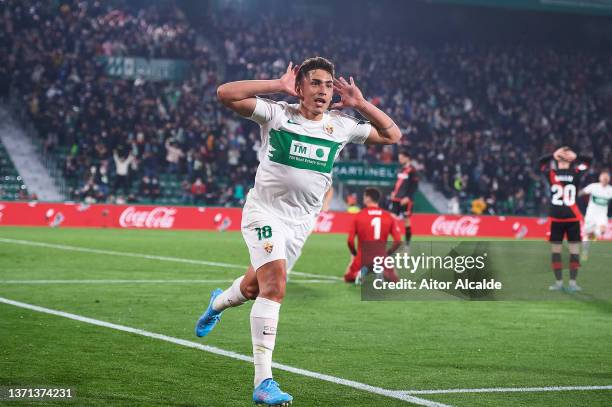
{"x":287,"y":81}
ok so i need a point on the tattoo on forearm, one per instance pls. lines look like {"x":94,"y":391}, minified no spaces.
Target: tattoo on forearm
{"x":386,"y":128}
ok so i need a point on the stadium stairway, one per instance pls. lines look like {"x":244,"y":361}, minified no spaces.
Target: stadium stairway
{"x":28,"y":164}
{"x":433,"y":196}
{"x":11,"y":183}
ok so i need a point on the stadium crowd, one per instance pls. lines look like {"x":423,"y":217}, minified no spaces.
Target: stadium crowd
{"x":116,"y":131}
{"x":475,"y":118}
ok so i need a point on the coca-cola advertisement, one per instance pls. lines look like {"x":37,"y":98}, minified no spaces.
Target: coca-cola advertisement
{"x":158,"y":217}
{"x":463,"y":226}
{"x":119,"y":216}
{"x":222,"y":219}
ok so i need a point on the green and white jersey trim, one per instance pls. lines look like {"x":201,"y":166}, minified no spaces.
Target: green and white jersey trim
{"x":600,"y":200}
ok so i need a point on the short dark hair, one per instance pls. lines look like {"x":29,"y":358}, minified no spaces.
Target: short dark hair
{"x":311,"y":64}
{"x":404,"y":152}
{"x":372,"y":193}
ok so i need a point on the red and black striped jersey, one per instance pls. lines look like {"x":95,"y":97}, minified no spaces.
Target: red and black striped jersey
{"x":563,"y":187}
{"x":406,"y":184}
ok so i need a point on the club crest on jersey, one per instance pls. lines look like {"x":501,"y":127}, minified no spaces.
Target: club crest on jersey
{"x":268,"y":247}
{"x":329,"y":128}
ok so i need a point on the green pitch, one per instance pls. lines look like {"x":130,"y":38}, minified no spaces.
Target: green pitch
{"x":324,"y":328}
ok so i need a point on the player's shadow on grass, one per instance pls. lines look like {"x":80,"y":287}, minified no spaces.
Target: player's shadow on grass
{"x":306,"y":290}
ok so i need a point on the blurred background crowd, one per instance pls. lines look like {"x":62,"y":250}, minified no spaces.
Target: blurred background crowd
{"x":475,"y":115}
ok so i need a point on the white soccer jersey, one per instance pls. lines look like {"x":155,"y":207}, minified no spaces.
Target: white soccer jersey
{"x":297,"y":156}
{"x":598,"y":203}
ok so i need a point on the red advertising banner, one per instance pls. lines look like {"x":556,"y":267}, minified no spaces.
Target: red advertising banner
{"x":214,"y":218}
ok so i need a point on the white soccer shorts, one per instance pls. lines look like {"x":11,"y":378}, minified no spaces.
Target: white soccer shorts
{"x":268,"y":237}
{"x":593,"y":225}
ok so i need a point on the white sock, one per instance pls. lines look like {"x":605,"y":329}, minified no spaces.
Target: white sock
{"x":232,"y":297}
{"x":264,"y":320}
{"x":585,"y":246}
{"x":572,"y":283}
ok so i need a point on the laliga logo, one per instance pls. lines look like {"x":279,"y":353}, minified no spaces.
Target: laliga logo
{"x":160,"y":217}
{"x":324,"y":223}
{"x":464,"y":226}
{"x":221,"y":222}
{"x":520,"y":231}
{"x":54,"y":219}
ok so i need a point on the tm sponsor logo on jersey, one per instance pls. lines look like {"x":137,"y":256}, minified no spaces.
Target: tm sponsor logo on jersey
{"x":309,"y":151}
{"x":301,"y":151}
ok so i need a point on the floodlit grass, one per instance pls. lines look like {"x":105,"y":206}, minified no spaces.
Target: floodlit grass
{"x":324,"y":327}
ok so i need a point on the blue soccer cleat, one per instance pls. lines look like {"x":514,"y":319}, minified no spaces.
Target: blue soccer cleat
{"x":269,"y":394}
{"x":209,"y":318}
{"x":573,"y":288}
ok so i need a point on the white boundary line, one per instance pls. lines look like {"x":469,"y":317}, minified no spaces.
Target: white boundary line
{"x":217,"y":351}
{"x":402,"y":395}
{"x":509,"y":390}
{"x":102,"y":282}
{"x":151,"y":257}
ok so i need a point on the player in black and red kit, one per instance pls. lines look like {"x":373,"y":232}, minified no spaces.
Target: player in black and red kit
{"x":402,"y":196}
{"x":563,"y":171}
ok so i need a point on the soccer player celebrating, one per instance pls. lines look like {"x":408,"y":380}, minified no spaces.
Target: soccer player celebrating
{"x":563,"y":171}
{"x":596,"y":219}
{"x":401,"y":197}
{"x":299,"y":143}
{"x":372,"y":226}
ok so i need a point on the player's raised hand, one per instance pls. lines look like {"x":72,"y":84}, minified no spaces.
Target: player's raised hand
{"x":564,"y":153}
{"x":288,"y":79}
{"x":569,"y":155}
{"x":350,"y":95}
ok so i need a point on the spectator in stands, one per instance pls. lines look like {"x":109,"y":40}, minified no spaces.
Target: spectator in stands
{"x":238,"y":195}
{"x":122,"y":172}
{"x":144,"y":189}
{"x":491,"y":203}
{"x":155,"y":190}
{"x":50,"y":143}
{"x":453,"y":206}
{"x":149,"y":164}
{"x":198,"y":192}
{"x":478,"y":206}
{"x":149,"y":188}
{"x":102,"y":179}
{"x":90,"y":192}
{"x":186,"y":197}
{"x":352,"y":204}
{"x":173,"y":156}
